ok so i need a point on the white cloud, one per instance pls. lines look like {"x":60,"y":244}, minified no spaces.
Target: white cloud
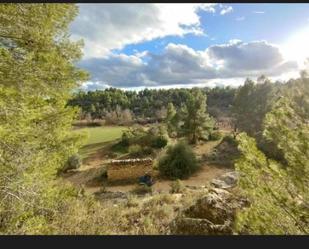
{"x":238,"y":55}
{"x":180,"y":65}
{"x":234,"y":41}
{"x":258,"y":12}
{"x":112,"y":26}
{"x":141,"y":54}
{"x":91,"y":86}
{"x":226,"y":9}
{"x":105,"y":27}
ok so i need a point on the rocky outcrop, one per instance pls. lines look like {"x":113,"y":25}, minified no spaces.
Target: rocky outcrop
{"x":213,"y":214}
{"x":226,"y":181}
{"x":196,"y":226}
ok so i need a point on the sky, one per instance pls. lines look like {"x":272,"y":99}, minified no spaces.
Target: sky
{"x":136,"y":46}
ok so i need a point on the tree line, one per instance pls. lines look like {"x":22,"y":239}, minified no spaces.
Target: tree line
{"x":118,"y":105}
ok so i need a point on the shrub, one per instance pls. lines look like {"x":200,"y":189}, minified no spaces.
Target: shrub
{"x":118,"y":148}
{"x":216,"y":135}
{"x":74,"y":162}
{"x":135,"y":150}
{"x":147,"y":151}
{"x":153,"y":138}
{"x":159,"y":142}
{"x":177,"y":187}
{"x":230,"y":140}
{"x":179,"y":162}
{"x":125,"y":141}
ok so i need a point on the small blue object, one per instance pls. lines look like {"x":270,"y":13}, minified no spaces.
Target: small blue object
{"x":146,"y":179}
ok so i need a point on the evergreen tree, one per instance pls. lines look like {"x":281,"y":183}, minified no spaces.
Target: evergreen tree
{"x":197,"y":122}
{"x":171,"y":118}
{"x":278,"y":191}
{"x":37,"y":75}
{"x":251,"y":103}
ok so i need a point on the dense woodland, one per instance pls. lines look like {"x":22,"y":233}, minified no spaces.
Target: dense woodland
{"x":147,"y":103}
{"x":37,"y":110}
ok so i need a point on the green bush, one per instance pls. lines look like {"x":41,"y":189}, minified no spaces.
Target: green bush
{"x":179,"y":162}
{"x":147,"y":151}
{"x":216,"y":135}
{"x":135,"y":150}
{"x":119,"y":148}
{"x":155,"y":138}
{"x":139,"y":151}
{"x":159,"y":142}
{"x":230,"y":140}
{"x":74,"y":162}
{"x":125,"y":140}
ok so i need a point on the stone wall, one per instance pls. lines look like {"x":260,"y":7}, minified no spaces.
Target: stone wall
{"x":130,"y":169}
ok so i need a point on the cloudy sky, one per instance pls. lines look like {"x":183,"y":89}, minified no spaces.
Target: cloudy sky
{"x":133,"y":46}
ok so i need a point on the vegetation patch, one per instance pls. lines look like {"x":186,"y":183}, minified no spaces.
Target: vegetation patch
{"x":74,"y":162}
{"x":179,"y":162}
{"x":177,"y":187}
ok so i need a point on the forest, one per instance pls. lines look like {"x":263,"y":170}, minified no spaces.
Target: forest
{"x":179,"y":161}
{"x":151,"y":104}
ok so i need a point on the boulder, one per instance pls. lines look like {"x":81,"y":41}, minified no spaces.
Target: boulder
{"x":216,"y":207}
{"x":227,"y":180}
{"x":195,"y":226}
{"x":213,"y":214}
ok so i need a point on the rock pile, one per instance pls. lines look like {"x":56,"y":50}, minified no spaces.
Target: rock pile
{"x":214,"y":213}
{"x":226,"y":181}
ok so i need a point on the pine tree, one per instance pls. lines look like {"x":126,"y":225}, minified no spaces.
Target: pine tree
{"x":37,"y":75}
{"x":251,"y":103}
{"x":278,"y":190}
{"x":197,"y":122}
{"x":171,"y":118}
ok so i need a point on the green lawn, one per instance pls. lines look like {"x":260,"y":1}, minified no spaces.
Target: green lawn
{"x":98,"y":137}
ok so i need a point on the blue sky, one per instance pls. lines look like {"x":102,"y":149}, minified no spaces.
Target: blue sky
{"x":182,"y":45}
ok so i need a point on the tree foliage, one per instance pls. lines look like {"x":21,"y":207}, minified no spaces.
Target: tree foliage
{"x":37,"y":75}
{"x":197,"y":122}
{"x":148,"y":103}
{"x":278,"y":190}
{"x":171,"y":118}
{"x":252,"y":102}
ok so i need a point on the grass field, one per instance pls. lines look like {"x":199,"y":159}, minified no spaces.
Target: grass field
{"x":98,"y":137}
